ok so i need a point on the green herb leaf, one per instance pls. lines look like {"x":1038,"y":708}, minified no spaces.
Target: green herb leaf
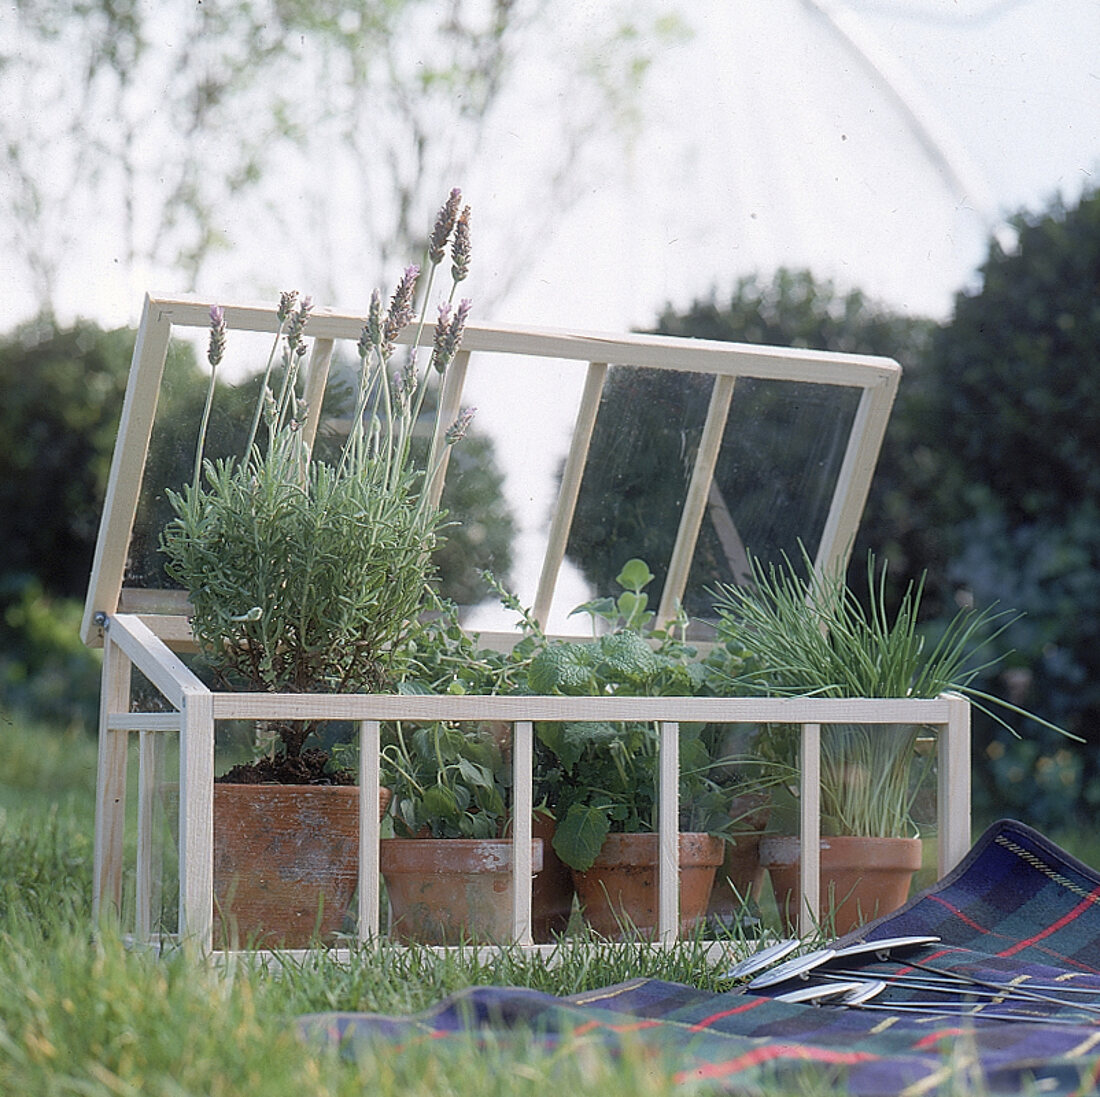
{"x":580,"y":835}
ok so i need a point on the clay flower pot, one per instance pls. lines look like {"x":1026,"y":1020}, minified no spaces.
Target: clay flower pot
{"x":449,"y":891}
{"x":618,"y":894}
{"x":861,"y":878}
{"x":286,"y":862}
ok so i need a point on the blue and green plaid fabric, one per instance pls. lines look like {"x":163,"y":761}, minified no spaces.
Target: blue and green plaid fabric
{"x":1017,"y":910}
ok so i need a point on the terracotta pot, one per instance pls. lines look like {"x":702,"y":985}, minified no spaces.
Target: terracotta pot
{"x":448,"y":891}
{"x":618,"y":894}
{"x":286,"y":862}
{"x":861,"y":878}
{"x":552,"y":891}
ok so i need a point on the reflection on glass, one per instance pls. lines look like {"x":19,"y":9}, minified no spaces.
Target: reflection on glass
{"x":480,"y":538}
{"x":774,"y":481}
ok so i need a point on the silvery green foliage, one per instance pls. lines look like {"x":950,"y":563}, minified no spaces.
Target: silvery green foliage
{"x":306,"y":575}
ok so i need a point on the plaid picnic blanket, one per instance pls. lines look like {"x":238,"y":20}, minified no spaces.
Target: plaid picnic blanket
{"x":1017,"y":910}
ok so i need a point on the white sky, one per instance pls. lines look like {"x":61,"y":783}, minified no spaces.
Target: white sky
{"x":769,"y":143}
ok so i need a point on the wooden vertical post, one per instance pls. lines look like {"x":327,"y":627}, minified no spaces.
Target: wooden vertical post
{"x":196,"y":819}
{"x":110,"y":808}
{"x":146,"y":883}
{"x":809,"y":909}
{"x":953,"y":791}
{"x":668,"y":833}
{"x":369,"y":830}
{"x":522,"y":809}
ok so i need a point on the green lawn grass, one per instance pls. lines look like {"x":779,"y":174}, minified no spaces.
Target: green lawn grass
{"x":82,"y":1014}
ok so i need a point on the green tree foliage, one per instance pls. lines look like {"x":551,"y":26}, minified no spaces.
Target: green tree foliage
{"x":60,"y":396}
{"x":1011,"y":408}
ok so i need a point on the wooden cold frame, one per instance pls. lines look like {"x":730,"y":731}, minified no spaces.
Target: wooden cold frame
{"x":130,"y":643}
{"x":146,"y":629}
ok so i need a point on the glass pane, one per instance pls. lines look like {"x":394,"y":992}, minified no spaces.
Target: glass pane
{"x":637,"y":474}
{"x":775,"y":479}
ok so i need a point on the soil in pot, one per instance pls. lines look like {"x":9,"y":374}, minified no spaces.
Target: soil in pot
{"x":861,"y":878}
{"x":286,"y":862}
{"x":449,"y":891}
{"x":618,"y":894}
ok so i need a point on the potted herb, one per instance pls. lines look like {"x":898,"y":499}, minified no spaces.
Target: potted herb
{"x":600,"y":778}
{"x":448,"y":866}
{"x":306,"y":574}
{"x":811,"y":636}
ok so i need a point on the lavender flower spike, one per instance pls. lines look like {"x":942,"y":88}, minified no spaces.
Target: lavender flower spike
{"x":286,"y":304}
{"x":401,"y":309}
{"x":441,"y":351}
{"x":217,"y":336}
{"x":457,"y":430}
{"x":444,"y":223}
{"x":448,"y":334}
{"x":460,"y":250}
{"x":297,"y":325}
{"x":372,"y":329}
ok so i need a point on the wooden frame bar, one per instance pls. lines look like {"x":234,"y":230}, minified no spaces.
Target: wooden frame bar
{"x":695,"y":504}
{"x":571,"y":477}
{"x":370,"y":873}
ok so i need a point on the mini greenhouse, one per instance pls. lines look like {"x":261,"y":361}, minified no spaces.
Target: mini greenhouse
{"x":697,"y":455}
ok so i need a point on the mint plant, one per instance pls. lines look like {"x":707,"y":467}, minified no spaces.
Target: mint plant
{"x":448,"y":781}
{"x":602,"y":777}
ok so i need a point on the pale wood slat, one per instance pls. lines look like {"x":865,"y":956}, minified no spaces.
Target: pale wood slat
{"x":668,"y":833}
{"x":370,"y":875}
{"x":661,"y":351}
{"x":562,"y":520}
{"x":809,"y":902}
{"x":154,"y":659}
{"x":139,"y":407}
{"x":110,"y":810}
{"x":695,"y":502}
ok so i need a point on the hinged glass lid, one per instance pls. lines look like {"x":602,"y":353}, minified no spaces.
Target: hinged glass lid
{"x":694,"y":455}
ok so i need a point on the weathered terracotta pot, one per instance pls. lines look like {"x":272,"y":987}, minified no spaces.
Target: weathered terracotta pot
{"x":286,"y":862}
{"x":449,"y":891}
{"x":552,"y":890}
{"x":618,"y":894}
{"x":861,"y":878}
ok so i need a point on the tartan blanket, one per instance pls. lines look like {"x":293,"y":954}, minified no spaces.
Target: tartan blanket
{"x":1017,"y":910}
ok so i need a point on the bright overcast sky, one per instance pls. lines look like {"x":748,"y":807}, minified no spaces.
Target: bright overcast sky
{"x":874,"y":141}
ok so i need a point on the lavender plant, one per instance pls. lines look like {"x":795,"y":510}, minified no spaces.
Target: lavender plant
{"x":305,"y":574}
